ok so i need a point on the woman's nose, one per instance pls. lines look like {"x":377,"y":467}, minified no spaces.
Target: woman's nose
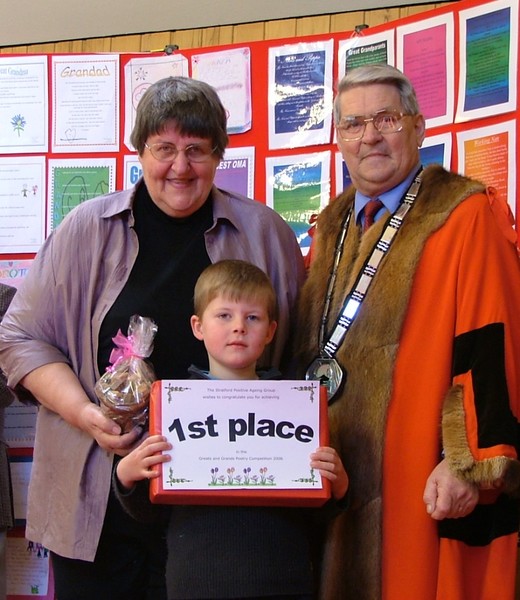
{"x":180,"y":162}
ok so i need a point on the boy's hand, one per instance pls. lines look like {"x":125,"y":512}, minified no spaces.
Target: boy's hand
{"x":138,"y":464}
{"x":329,"y":465}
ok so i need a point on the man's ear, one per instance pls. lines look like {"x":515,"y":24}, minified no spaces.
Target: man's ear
{"x":420,"y":129}
{"x":196,"y":327}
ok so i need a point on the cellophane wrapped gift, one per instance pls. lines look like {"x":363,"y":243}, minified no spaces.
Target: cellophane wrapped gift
{"x":124,"y":389}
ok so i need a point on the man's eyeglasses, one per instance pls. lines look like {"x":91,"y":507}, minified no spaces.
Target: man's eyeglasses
{"x":352,"y":128}
{"x":166,"y":152}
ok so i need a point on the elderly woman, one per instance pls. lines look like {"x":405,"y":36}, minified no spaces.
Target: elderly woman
{"x":138,"y":251}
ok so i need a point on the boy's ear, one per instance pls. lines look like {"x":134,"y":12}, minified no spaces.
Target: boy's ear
{"x":271,"y":331}
{"x":196,"y":327}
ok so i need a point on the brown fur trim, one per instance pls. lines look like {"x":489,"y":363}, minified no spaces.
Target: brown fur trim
{"x":482,"y":473}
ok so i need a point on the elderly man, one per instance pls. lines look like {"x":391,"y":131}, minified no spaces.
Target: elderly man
{"x":413,"y":322}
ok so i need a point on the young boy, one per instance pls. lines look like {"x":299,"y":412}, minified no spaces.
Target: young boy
{"x":235,"y":551}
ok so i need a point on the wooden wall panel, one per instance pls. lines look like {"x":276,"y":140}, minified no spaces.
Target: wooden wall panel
{"x":248,"y":32}
{"x":280,"y":28}
{"x":228,"y":34}
{"x":153,"y":42}
{"x":313,"y":25}
{"x":96,"y":45}
{"x":385,"y":15}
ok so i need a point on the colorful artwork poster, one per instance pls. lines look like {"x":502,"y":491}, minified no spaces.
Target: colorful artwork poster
{"x":488,"y":154}
{"x":434,"y":155}
{"x":235,"y":172}
{"x":489,"y":46}
{"x":72,"y":182}
{"x":133,"y":170}
{"x":298,"y":187}
{"x":424,"y":53}
{"x":436,"y":149}
{"x":300,"y":94}
{"x":13,"y":272}
{"x":343,"y":180}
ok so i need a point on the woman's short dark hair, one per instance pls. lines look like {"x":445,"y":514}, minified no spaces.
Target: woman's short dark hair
{"x":193,"y":106}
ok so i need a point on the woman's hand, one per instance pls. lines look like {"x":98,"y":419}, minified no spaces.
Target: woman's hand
{"x":57,"y":388}
{"x":106,"y":432}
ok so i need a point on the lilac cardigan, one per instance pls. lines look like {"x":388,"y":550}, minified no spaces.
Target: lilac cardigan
{"x":56,"y":317}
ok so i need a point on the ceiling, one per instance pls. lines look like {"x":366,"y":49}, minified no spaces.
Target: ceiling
{"x":31,"y":22}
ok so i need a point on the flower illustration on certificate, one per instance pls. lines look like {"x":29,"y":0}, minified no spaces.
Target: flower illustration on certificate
{"x":230,"y":476}
{"x":18,"y":123}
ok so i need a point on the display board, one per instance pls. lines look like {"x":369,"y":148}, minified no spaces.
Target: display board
{"x":67,"y":117}
{"x":66,"y":121}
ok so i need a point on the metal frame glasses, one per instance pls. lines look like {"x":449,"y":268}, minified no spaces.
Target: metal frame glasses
{"x":352,"y":128}
{"x":194,"y":153}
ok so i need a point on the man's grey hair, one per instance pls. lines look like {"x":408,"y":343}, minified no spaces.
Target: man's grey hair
{"x":378,"y":73}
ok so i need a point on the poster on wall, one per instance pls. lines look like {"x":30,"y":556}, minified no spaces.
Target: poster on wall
{"x":436,"y":149}
{"x":73,"y":181}
{"x":298,"y":187}
{"x":229,"y":72}
{"x":132,"y":170}
{"x":22,"y":203}
{"x":28,"y":566}
{"x":140,"y":73}
{"x":85,"y":103}
{"x":300,"y":94}
{"x":343,"y":179}
{"x":24,"y":104}
{"x":362,"y":50}
{"x":488,"y":154}
{"x":13,"y":271}
{"x":488,"y":51}
{"x":236,"y":171}
{"x":425,"y":54}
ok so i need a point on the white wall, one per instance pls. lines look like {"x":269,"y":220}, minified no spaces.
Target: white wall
{"x":39,"y":21}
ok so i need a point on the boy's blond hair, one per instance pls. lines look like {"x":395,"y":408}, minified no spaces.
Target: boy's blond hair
{"x":236,"y":280}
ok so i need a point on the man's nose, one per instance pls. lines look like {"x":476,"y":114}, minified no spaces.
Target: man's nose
{"x":371,"y":132}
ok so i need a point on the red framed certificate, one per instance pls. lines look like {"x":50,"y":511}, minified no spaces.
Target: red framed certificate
{"x":240,"y":442}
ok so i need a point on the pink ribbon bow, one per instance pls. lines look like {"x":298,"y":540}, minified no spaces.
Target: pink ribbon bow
{"x":124,"y":349}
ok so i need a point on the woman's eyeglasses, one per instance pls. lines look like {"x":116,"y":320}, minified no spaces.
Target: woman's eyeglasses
{"x":166,"y":152}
